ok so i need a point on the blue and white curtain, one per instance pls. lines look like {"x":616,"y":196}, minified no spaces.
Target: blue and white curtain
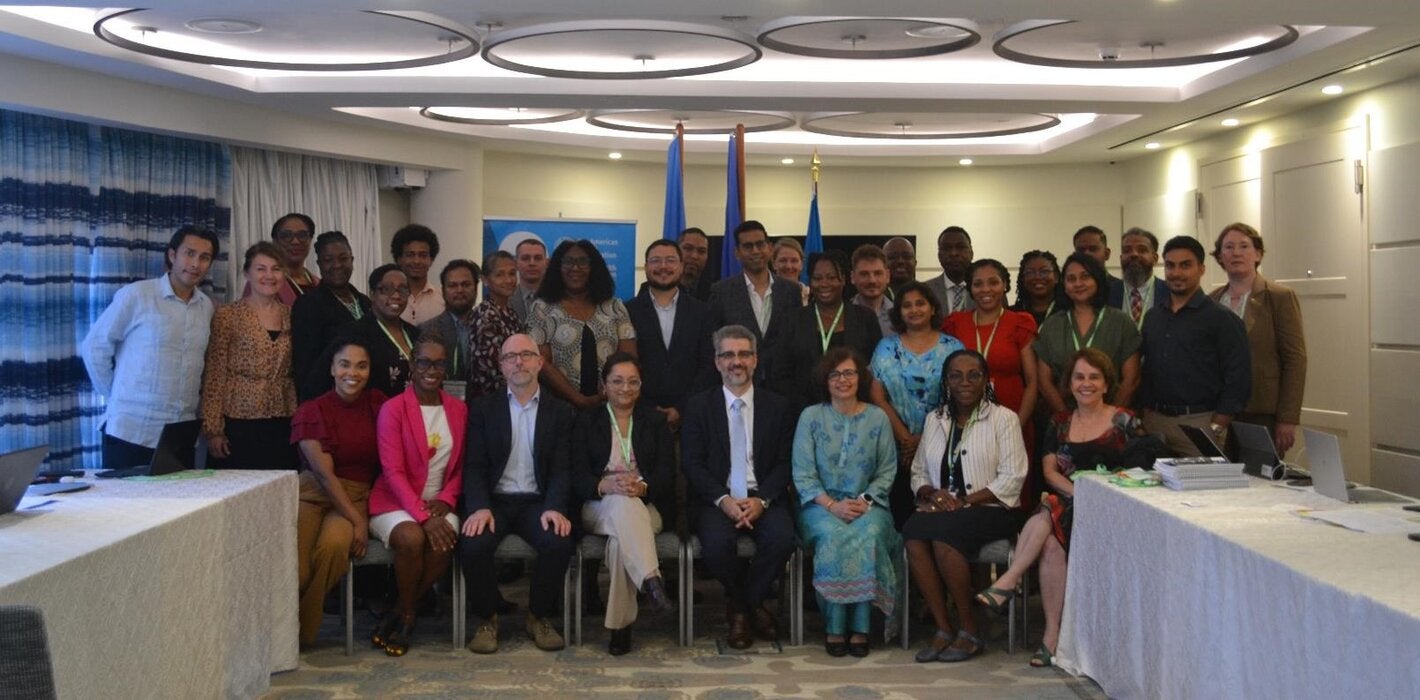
{"x":85,"y":210}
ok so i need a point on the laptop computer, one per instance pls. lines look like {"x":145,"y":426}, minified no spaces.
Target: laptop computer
{"x":1257,"y":452}
{"x":17,"y":470}
{"x":1328,"y":476}
{"x":1204,"y":442}
{"x":174,"y":453}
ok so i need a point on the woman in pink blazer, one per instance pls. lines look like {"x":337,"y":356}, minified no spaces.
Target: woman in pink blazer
{"x":421,"y":436}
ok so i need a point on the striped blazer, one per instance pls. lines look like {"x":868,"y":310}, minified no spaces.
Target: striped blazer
{"x":992,"y":450}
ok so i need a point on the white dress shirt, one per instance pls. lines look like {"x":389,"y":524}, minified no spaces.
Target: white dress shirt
{"x":520,"y":474}
{"x":666,"y":316}
{"x":761,"y":305}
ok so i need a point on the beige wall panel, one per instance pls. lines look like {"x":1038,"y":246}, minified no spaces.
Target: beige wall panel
{"x":1395,"y":471}
{"x":1394,"y":181}
{"x":1395,"y":298}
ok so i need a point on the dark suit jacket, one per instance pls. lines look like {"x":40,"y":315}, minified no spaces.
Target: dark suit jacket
{"x":383,"y":356}
{"x":1115,"y":295}
{"x":801,"y":348}
{"x":490,"y":442}
{"x":705,"y":446}
{"x":670,"y":376}
{"x":454,"y":355}
{"x":1279,"y":350}
{"x":701,"y":290}
{"x":651,"y":443}
{"x":316,"y":318}
{"x":729,"y":305}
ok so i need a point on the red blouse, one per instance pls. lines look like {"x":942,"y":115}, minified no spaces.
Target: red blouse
{"x":345,"y":431}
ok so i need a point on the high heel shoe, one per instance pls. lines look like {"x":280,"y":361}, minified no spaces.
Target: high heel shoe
{"x":383,"y":629}
{"x":397,"y":641}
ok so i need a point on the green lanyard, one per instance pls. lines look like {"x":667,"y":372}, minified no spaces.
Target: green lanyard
{"x":623,"y":442}
{"x":986,"y":351}
{"x":1075,"y":330}
{"x":397,"y":348}
{"x":823,"y":335}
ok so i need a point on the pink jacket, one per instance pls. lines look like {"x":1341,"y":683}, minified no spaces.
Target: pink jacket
{"x":404,"y":456}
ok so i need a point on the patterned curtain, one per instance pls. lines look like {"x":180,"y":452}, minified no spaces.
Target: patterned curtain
{"x":85,"y":210}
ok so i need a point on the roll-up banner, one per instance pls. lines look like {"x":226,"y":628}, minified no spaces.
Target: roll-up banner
{"x":615,"y":240}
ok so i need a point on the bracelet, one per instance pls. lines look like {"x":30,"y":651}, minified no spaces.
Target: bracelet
{"x":831,"y":504}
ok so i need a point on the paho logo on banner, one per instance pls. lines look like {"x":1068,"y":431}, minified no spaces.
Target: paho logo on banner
{"x":615,"y":240}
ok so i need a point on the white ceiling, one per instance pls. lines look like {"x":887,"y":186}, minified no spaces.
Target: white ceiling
{"x":1103,"y":114}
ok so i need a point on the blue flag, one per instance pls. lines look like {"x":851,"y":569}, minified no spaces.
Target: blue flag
{"x":813,"y":240}
{"x":675,"y":190}
{"x":734,"y":203}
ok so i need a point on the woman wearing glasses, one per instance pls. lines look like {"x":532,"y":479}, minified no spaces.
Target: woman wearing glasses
{"x":390,"y":338}
{"x":421,"y":436}
{"x":967,"y":478}
{"x":625,"y":470}
{"x":317,"y":316}
{"x":844,"y":464}
{"x":577,"y":322}
{"x":292,"y":234}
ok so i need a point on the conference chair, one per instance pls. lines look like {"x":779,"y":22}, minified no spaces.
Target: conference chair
{"x":744,"y":547}
{"x":377,"y":554}
{"x":999,"y":555}
{"x":593,"y":548}
{"x":513,"y":547}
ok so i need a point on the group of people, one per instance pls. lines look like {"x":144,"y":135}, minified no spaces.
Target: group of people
{"x":934,"y":416}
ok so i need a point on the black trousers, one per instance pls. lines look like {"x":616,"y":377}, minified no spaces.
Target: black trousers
{"x":121,"y":454}
{"x":258,"y":443}
{"x":746,"y":583}
{"x":475,"y":554}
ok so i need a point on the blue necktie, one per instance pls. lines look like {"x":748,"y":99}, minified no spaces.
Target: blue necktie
{"x":739,"y":452}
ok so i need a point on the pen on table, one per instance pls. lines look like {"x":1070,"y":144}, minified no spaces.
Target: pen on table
{"x":41,"y":504}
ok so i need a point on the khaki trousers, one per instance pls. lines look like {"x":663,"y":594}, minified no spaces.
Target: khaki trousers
{"x":630,"y":526}
{"x":323,"y":538}
{"x":1178,"y":443}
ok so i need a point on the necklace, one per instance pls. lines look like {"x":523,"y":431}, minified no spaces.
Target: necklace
{"x":353,"y":306}
{"x":396,"y":345}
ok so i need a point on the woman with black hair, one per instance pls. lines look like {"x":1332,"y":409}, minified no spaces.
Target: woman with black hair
{"x":1088,"y":322}
{"x":967,"y":479}
{"x":318,"y":316}
{"x":827,"y":322}
{"x":292,"y":235}
{"x":390,"y":339}
{"x":1038,"y":292}
{"x":577,"y":322}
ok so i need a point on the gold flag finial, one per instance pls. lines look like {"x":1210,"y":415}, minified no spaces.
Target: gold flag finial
{"x":814,"y":169}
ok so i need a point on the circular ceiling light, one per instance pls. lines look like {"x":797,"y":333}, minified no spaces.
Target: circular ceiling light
{"x":620,"y":49}
{"x":868,"y":37}
{"x":289,"y":40}
{"x":1332,"y":90}
{"x":1152,"y":145}
{"x":1152,"y":44}
{"x":925,"y":125}
{"x":1231,"y":121}
{"x":614,"y":155}
{"x":700,"y":122}
{"x":965,"y":161}
{"x":787,"y":161}
{"x":499,"y":116}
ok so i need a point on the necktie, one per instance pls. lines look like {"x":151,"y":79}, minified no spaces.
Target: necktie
{"x":1136,"y":304}
{"x":957,"y":298}
{"x":739,"y":452}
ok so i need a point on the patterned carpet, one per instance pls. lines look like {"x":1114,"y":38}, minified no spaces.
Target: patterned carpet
{"x":658,"y":668}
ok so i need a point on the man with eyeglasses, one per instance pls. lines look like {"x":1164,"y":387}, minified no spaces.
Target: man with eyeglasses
{"x":517,"y":480}
{"x":459,"y":282}
{"x":672,"y":335}
{"x":758,"y":300}
{"x":736,"y":452}
{"x":415,"y":247}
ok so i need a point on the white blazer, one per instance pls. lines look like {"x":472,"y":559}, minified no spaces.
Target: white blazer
{"x":993,"y":453}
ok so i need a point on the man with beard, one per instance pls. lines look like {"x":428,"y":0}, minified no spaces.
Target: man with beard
{"x":952,"y":287}
{"x":1140,"y":290}
{"x":870,"y":277}
{"x":694,"y":256}
{"x":459,"y":279}
{"x":901,"y":264}
{"x":758,"y":299}
{"x":672,"y":335}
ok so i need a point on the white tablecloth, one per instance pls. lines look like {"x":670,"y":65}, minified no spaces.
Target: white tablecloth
{"x":1228,"y":594}
{"x":178,"y":589}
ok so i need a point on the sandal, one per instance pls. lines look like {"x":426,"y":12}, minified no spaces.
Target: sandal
{"x":835,"y":649}
{"x":997,"y":600}
{"x":1042,"y":658}
{"x":953,"y":654}
{"x":383,"y":629}
{"x":931,"y":652}
{"x":397,"y":641}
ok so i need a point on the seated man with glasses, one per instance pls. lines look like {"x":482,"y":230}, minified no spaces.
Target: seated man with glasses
{"x":517,"y":480}
{"x":736,"y":453}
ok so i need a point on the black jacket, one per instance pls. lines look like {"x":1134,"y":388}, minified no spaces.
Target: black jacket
{"x":490,"y":442}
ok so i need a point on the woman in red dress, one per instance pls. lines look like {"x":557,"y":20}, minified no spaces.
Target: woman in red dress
{"x":1004,"y":337}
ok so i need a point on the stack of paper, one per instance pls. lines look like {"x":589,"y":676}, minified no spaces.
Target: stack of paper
{"x":1192,"y":474}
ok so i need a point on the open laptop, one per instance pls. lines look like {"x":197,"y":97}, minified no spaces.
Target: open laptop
{"x":1203,"y":441}
{"x":17,"y":470}
{"x":175,"y":452}
{"x":1257,"y":452}
{"x":1328,"y":477}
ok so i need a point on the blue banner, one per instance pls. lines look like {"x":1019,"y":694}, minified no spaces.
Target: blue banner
{"x":615,"y":240}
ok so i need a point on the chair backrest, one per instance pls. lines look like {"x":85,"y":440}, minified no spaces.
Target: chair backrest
{"x":25,"y":670}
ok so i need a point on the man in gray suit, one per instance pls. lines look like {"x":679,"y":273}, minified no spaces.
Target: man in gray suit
{"x":531,"y":255}
{"x":952,"y":287}
{"x":758,"y":300}
{"x":459,"y":279}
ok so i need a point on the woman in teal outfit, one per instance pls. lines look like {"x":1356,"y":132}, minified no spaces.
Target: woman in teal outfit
{"x":844,"y":463}
{"x":907,"y":372}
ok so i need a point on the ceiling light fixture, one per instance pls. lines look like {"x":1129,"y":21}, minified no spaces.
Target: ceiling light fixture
{"x":614,"y":155}
{"x":1332,"y":90}
{"x":223,"y":25}
{"x":1152,"y":145}
{"x":787,"y":161}
{"x":1231,"y":121}
{"x":965,"y":161}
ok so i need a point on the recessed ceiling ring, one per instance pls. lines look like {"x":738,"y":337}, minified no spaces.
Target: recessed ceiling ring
{"x":683,"y":48}
{"x":868,"y":37}
{"x":1284,"y":36}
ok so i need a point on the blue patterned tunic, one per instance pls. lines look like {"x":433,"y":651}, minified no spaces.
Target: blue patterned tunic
{"x":913,"y":382}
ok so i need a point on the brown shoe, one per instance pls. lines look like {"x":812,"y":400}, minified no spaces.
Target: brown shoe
{"x":544,"y":635}
{"x":485,"y":637}
{"x":766,"y":624}
{"x":739,"y":631}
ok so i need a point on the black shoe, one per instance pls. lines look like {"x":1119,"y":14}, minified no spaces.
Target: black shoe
{"x":620,"y":641}
{"x":655,"y":589}
{"x":835,"y":649}
{"x":858,"y":649}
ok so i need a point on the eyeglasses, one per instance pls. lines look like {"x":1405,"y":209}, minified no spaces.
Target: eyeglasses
{"x":754,"y":245}
{"x":619,"y":383}
{"x":283,"y":235}
{"x":525,"y":356}
{"x":425,"y":365}
{"x":391,"y":291}
{"x":731,"y":355}
{"x":1027,"y":273}
{"x":661,"y":261}
{"x":580,"y":263}
{"x":838,"y":374}
{"x":973,"y":376}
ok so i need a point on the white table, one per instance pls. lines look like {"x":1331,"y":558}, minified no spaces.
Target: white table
{"x":1229,"y":594}
{"x":177,"y":589}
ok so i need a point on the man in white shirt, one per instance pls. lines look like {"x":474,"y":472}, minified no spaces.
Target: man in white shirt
{"x":531,"y":256}
{"x":759,"y":300}
{"x":952,"y":287}
{"x":736,"y":455}
{"x":870,"y":277}
{"x":146,"y":351}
